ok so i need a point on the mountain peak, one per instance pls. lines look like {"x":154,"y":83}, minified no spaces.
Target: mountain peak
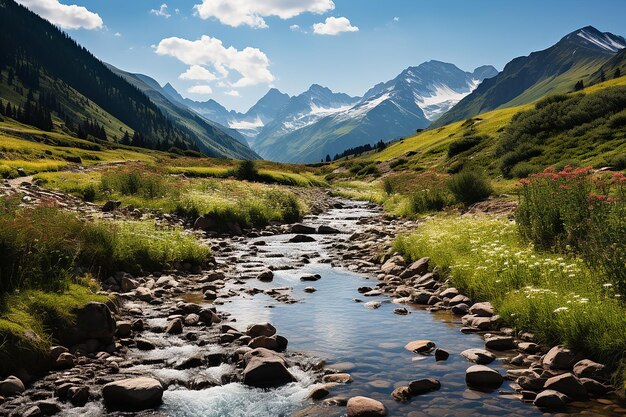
{"x":591,"y":37}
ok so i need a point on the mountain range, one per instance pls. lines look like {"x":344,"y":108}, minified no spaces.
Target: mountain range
{"x":320,"y":122}
{"x":576,"y":57}
{"x":53,"y":83}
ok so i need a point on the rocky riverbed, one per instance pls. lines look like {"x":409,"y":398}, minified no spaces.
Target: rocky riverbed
{"x":311,"y":319}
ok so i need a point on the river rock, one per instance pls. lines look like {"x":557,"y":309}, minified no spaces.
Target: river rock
{"x":310,"y":278}
{"x":420,"y":346}
{"x":65,"y":361}
{"x":594,"y":387}
{"x":309,"y":290}
{"x":110,"y":206}
{"x":416,"y":268}
{"x":263,"y":342}
{"x":133,"y":394}
{"x":302,"y":229}
{"x":460,"y":309}
{"x":550,"y":399}
{"x":481,"y":376}
{"x":301,"y":239}
{"x":266,"y":276}
{"x":261,"y":329}
{"x":441,"y":355}
{"x":401,"y":394}
{"x":341,"y":378}
{"x":93,"y":321}
{"x":423,"y":386}
{"x":500,"y":343}
{"x":327,"y":230}
{"x":560,"y":358}
{"x":265,"y":369}
{"x":590,"y":369}
{"x":123,"y":329}
{"x":11,"y":386}
{"x":449,"y":293}
{"x":459,"y":299}
{"x":174,"y":327}
{"x":567,"y":384}
{"x":401,"y":311}
{"x":365,"y":407}
{"x":478,"y":356}
{"x":48,"y":407}
{"x":144,"y":294}
{"x":143,"y":344}
{"x":32,"y":411}
{"x":319,"y":392}
{"x":482,"y":309}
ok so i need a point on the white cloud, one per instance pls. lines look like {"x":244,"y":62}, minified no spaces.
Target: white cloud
{"x":334,"y":26}
{"x":117,"y":35}
{"x":232,"y":93}
{"x":396,"y":19}
{"x":197,"y":73}
{"x":251,"y":12}
{"x":294,"y":27}
{"x":161,"y":11}
{"x":251,"y":63}
{"x":201,"y":89}
{"x":63,"y":15}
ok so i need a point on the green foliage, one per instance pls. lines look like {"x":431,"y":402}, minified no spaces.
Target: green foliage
{"x":246,"y":170}
{"x":132,"y":181}
{"x":41,"y":247}
{"x":557,"y":297}
{"x":470,"y":186}
{"x":464,"y":144}
{"x":574,"y":211}
{"x":428,"y":200}
{"x":564,"y":122}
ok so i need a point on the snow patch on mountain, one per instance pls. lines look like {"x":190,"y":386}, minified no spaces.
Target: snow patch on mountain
{"x":442,"y":99}
{"x":603,"y":40}
{"x":246,"y":124}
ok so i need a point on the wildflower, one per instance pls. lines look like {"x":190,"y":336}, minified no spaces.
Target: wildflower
{"x":607,"y":285}
{"x":558,"y":310}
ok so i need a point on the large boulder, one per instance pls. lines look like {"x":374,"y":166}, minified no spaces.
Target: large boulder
{"x":265,"y":369}
{"x":560,"y":358}
{"x":590,"y":369}
{"x":416,"y":268}
{"x":133,"y":394}
{"x":11,"y":386}
{"x":93,"y":321}
{"x":261,"y":329}
{"x":482,"y":309}
{"x":481,"y":376}
{"x":550,"y":399}
{"x":567,"y":384}
{"x":500,"y":343}
{"x":365,"y":407}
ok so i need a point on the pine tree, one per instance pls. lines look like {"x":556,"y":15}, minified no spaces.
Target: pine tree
{"x":602,"y":76}
{"x":579,"y":86}
{"x":618,"y":73}
{"x":328,"y":158}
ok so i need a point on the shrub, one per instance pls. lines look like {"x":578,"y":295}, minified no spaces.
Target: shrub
{"x":575,"y":210}
{"x":387,"y":186}
{"x":469,"y":186}
{"x":135,"y":181}
{"x":246,"y":170}
{"x":428,"y":200}
{"x":463,"y":145}
{"x":524,"y":169}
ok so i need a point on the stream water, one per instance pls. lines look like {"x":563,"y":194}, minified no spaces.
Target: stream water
{"x":329,"y":324}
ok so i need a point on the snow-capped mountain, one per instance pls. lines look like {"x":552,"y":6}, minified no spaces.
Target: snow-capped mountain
{"x":304,"y":110}
{"x":576,"y":57}
{"x":387,"y":111}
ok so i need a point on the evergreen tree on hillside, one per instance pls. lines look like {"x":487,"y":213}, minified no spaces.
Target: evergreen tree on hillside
{"x":618,"y":73}
{"x":579,"y":86}
{"x":602,"y":75}
{"x":328,"y":158}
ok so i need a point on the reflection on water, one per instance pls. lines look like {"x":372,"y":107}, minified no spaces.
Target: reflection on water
{"x":367,"y":343}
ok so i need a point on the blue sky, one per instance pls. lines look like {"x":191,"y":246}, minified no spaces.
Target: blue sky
{"x":251,"y":45}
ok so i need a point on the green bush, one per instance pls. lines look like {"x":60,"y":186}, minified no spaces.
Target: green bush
{"x":134,"y":181}
{"x":464,"y":144}
{"x":573,"y":210}
{"x":247,"y":171}
{"x":469,"y":186}
{"x":524,"y":169}
{"x":425,"y":201}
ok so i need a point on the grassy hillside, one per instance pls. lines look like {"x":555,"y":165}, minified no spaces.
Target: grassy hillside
{"x":483,"y":135}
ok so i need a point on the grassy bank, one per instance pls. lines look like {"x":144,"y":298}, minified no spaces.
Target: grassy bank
{"x":49,"y":260}
{"x":558,"y":270}
{"x":558,"y":297}
{"x":143,"y":186}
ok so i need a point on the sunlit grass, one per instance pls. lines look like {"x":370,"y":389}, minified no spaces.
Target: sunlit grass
{"x":557,"y":297}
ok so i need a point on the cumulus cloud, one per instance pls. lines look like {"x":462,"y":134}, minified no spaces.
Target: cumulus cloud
{"x":232,"y":93}
{"x":334,"y":26}
{"x":294,"y":27}
{"x":63,"y":15}
{"x":251,"y":12}
{"x":161,"y":11}
{"x":251,"y":63}
{"x":396,"y":19}
{"x":117,"y":35}
{"x":197,"y":73}
{"x":201,"y":89}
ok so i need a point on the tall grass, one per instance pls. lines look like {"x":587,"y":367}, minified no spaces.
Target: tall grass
{"x":558,"y":297}
{"x":574,"y":210}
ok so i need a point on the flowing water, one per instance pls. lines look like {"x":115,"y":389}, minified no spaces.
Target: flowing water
{"x":329,"y":324}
